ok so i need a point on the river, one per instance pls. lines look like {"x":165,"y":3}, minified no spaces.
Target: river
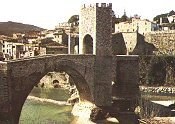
{"x":37,"y":112}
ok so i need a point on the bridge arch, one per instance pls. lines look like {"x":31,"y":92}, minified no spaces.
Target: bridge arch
{"x":68,"y":66}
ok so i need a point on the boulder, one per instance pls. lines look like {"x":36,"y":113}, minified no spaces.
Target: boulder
{"x":98,"y":114}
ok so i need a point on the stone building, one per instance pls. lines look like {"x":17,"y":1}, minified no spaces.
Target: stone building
{"x":131,"y":43}
{"x":60,"y":36}
{"x":136,"y":25}
{"x":53,"y":50}
{"x":64,"y":26}
{"x":51,"y":47}
{"x":32,"y":36}
{"x":73,"y":44}
{"x":11,"y":49}
{"x":93,"y":39}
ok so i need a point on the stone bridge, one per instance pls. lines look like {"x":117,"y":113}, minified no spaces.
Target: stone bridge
{"x":93,"y":70}
{"x":92,"y":75}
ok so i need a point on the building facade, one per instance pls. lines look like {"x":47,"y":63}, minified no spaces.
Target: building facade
{"x":11,"y":50}
{"x":136,"y":25}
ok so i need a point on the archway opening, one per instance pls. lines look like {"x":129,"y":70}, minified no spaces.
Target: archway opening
{"x":76,"y":45}
{"x":88,"y":44}
{"x":43,"y":112}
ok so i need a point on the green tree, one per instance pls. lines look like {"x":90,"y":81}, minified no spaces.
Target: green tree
{"x":157,"y":18}
{"x":74,"y":19}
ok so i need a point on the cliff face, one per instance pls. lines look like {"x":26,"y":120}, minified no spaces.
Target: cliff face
{"x":8,"y":28}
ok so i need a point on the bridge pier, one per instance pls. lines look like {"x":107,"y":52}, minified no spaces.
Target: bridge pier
{"x":103,"y":80}
{"x":5,"y":104}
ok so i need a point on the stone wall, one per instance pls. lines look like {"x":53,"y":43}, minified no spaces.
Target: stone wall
{"x":163,"y":40}
{"x":4,"y":94}
{"x":103,"y":30}
{"x":93,"y":76}
{"x":96,"y":21}
{"x":127,"y":77}
{"x":87,"y":26}
{"x":3,"y":83}
{"x":131,"y":43}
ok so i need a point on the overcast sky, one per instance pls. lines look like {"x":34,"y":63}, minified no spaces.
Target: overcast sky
{"x":48,"y":13}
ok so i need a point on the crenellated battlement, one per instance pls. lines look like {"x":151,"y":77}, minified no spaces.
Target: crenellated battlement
{"x":105,"y":5}
{"x":100,"y":5}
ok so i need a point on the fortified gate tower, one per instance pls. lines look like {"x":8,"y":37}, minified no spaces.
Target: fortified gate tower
{"x":95,"y":29}
{"x":95,"y":34}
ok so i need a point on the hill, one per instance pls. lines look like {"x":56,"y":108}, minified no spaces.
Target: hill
{"x":8,"y":28}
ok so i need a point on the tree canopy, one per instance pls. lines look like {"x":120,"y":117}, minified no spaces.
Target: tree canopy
{"x":74,"y":19}
{"x":157,"y":18}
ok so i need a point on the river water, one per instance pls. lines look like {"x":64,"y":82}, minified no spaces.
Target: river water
{"x":37,"y":112}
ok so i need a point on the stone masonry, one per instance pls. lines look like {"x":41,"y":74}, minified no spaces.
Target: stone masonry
{"x":163,"y":40}
{"x":92,"y":74}
{"x":96,"y":20}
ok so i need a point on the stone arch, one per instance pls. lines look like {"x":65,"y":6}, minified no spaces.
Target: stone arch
{"x":31,"y":80}
{"x":88,"y":44}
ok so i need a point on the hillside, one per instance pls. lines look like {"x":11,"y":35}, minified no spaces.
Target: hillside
{"x":8,"y":28}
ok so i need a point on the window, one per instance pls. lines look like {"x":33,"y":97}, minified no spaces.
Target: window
{"x":3,"y":46}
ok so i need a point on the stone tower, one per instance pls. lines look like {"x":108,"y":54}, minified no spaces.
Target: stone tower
{"x":95,"y":29}
{"x":95,"y":32}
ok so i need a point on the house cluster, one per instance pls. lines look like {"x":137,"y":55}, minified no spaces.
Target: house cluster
{"x":144,"y":37}
{"x":22,"y":45}
{"x":143,"y":26}
{"x":136,"y":25}
{"x":128,"y":38}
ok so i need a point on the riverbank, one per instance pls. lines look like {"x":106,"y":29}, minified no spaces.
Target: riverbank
{"x":48,"y":100}
{"x":158,"y":90}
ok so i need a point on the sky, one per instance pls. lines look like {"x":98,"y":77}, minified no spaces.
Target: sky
{"x":48,"y":13}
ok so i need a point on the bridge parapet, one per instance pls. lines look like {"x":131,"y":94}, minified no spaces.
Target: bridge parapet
{"x":48,"y":56}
